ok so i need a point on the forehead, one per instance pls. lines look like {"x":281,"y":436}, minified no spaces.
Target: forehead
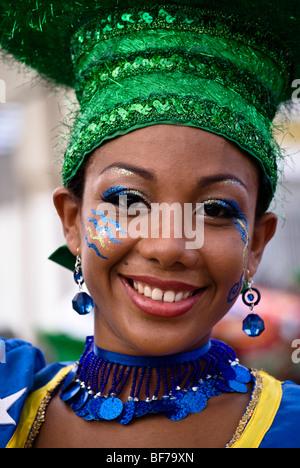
{"x":176,"y":152}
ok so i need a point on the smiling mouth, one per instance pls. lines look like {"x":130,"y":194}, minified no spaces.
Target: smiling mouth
{"x":161,"y":298}
{"x":160,"y":295}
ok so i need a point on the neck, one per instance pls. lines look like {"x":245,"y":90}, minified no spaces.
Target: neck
{"x":152,"y":361}
{"x":110,"y":385}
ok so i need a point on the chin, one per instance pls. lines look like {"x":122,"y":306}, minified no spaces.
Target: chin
{"x":162,"y":341}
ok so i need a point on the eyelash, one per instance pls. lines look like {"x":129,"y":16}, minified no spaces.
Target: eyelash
{"x":112,"y":196}
{"x":230,"y":207}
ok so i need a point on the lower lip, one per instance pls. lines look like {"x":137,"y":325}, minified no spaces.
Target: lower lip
{"x":161,"y":309}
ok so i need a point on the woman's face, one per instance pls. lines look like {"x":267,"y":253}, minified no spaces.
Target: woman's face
{"x":156,"y":295}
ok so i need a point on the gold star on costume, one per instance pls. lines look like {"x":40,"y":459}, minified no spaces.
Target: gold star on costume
{"x":5,"y":404}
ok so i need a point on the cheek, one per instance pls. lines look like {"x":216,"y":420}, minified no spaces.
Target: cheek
{"x":226,"y":254}
{"x":103,"y":234}
{"x":105,"y":243}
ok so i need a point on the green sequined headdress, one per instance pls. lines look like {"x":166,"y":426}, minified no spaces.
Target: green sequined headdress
{"x":223,"y":66}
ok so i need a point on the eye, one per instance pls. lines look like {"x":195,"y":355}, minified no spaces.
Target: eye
{"x":125,"y":197}
{"x":222,"y":209}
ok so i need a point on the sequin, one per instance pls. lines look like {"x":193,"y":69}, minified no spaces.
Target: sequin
{"x":227,"y":371}
{"x":81,"y":399}
{"x":164,"y":405}
{"x":176,"y":43}
{"x":198,"y":65}
{"x":187,"y":111}
{"x":94,"y":407}
{"x":237,"y":386}
{"x":142,"y":408}
{"x":70,"y":391}
{"x":84,"y":414}
{"x":111,"y":408}
{"x":175,"y":404}
{"x":195,"y":401}
{"x":242,"y":374}
{"x":127,"y":413}
{"x":179,"y":413}
{"x":223,"y":387}
{"x":69,"y":378}
{"x":241,"y":43}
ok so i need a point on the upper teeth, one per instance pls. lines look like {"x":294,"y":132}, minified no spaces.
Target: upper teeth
{"x":159,"y":295}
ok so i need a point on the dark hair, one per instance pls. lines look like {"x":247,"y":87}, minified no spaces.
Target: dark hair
{"x":76,"y":184}
{"x":263,"y":198}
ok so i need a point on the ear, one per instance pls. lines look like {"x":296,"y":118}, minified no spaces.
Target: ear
{"x":264,"y":230}
{"x":68,"y":209}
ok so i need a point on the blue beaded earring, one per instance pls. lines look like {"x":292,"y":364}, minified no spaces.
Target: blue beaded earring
{"x":253,"y":324}
{"x":82,"y":303}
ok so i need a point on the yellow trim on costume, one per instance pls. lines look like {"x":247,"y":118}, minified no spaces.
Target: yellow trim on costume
{"x":263,"y":415}
{"x":252,"y":436}
{"x":31,"y":408}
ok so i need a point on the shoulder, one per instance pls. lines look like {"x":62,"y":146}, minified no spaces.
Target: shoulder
{"x":272,"y":417}
{"x":22,"y":369}
{"x":19,"y":364}
{"x":284,"y":432}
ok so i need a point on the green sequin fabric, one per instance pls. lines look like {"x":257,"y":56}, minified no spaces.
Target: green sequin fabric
{"x":175,"y":66}
{"x":221,"y":67}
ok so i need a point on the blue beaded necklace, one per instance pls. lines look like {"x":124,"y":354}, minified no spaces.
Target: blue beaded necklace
{"x":93,"y":389}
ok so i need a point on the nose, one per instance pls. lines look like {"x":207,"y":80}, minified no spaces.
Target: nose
{"x":168,"y":252}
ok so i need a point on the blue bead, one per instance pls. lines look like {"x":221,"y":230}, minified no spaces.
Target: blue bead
{"x":78,"y":277}
{"x":253,"y":325}
{"x":83,"y":303}
{"x":251,"y":297}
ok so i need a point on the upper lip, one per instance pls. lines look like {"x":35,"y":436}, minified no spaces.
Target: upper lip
{"x":163,"y":284}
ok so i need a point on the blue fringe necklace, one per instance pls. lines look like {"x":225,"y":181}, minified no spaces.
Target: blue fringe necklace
{"x":175,"y":385}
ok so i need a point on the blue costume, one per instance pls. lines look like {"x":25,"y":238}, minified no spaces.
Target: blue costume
{"x":27,"y":385}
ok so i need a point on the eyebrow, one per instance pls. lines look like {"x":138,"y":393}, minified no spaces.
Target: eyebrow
{"x":209,"y":180}
{"x":144,"y":173}
{"x":148,"y":175}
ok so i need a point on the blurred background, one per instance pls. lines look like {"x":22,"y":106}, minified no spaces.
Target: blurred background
{"x":36,"y":294}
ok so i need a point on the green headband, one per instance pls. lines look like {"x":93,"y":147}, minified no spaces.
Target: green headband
{"x":222,"y":68}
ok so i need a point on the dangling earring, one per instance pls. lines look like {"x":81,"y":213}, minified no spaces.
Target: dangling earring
{"x":82,"y":303}
{"x":253,"y":325}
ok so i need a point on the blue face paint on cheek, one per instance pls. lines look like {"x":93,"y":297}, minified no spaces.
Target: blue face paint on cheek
{"x":235,"y":290}
{"x":242,"y":226}
{"x":103,"y":232}
{"x":93,"y":246}
{"x":106,"y":220}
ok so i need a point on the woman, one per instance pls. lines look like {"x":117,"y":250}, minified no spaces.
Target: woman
{"x":176,"y":110}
